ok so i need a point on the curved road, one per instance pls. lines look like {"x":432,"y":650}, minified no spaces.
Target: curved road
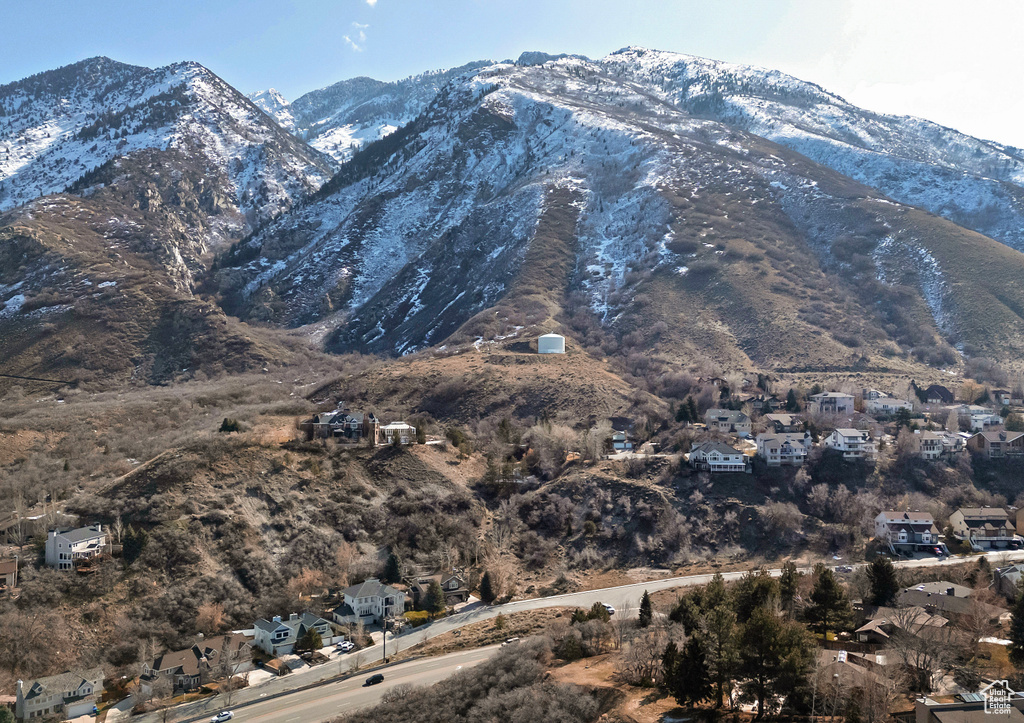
{"x":623,"y":598}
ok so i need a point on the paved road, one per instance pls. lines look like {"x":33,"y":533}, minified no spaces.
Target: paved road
{"x":329,"y":701}
{"x":623,"y":598}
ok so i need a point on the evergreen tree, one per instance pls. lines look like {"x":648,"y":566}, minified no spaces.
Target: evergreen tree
{"x":597,"y":612}
{"x":311,"y":640}
{"x":1016,"y":647}
{"x":133,"y":544}
{"x":434,"y":602}
{"x":755,"y":589}
{"x":392,"y":569}
{"x":829,"y":608}
{"x":487,"y":592}
{"x":885,"y":584}
{"x":792,"y":403}
{"x":691,"y":680}
{"x":646,"y":611}
{"x":692,"y":406}
{"x":774,"y":657}
{"x":683,"y":414}
{"x":789,"y":584}
{"x":669,"y":668}
{"x":718,"y":626}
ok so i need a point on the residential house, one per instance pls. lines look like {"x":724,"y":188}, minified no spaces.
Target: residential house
{"x":453,"y":585}
{"x":67,"y":548}
{"x":910,"y":530}
{"x":278,"y":637}
{"x":855,"y":444}
{"x":717,"y":457}
{"x":759,"y":401}
{"x":1002,"y":397}
{"x":208,"y":659}
{"x":728,"y":421}
{"x":938,"y":394}
{"x":8,"y":573}
{"x":1006,"y":580}
{"x":967,"y":708}
{"x":370,"y":601}
{"x":779,"y":450}
{"x":983,"y":527}
{"x":622,"y":442}
{"x":400,"y":431}
{"x":883,"y":404}
{"x":927,"y":445}
{"x":997,"y":443}
{"x":831,"y":403}
{"x":948,"y":600}
{"x":68,"y":695}
{"x":976,"y":417}
{"x":885,"y":621}
{"x":782,"y":423}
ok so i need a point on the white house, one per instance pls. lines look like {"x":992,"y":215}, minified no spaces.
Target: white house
{"x":68,"y":695}
{"x":832,"y":403}
{"x":854,"y":444}
{"x":728,"y":421}
{"x":278,"y":637}
{"x":884,"y":404}
{"x":906,"y":529}
{"x":406,"y":433}
{"x":783,"y":449}
{"x":370,"y":601}
{"x":979,"y":417}
{"x":928,"y":445}
{"x":65,"y":548}
{"x":717,"y":457}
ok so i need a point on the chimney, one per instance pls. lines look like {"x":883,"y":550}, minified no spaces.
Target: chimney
{"x":293,"y":616}
{"x":277,"y":618}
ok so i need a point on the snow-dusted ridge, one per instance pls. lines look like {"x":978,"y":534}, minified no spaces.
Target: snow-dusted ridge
{"x":58,"y":126}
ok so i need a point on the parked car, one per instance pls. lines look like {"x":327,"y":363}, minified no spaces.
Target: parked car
{"x":345,"y":646}
{"x":510,"y":641}
{"x":222,"y":716}
{"x":608,"y":609}
{"x":374,"y":679}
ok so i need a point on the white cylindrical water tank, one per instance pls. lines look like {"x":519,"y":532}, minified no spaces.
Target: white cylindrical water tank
{"x":551,"y":344}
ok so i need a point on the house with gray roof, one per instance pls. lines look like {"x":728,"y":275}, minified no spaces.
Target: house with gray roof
{"x":68,"y":695}
{"x":67,"y":548}
{"x":1006,"y":580}
{"x":208,"y":659}
{"x":728,"y":421}
{"x":278,"y":637}
{"x":718,"y":457}
{"x":983,"y":527}
{"x":369,"y":601}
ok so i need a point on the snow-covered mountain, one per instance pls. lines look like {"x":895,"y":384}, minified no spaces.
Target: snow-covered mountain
{"x":532,"y":193}
{"x":274,"y":104}
{"x":976,"y":183}
{"x":342,"y":117}
{"x":57,"y":126}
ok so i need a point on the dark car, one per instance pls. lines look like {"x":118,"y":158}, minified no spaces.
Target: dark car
{"x":374,"y":679}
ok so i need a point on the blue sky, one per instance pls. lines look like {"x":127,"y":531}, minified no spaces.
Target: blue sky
{"x":956,"y":64}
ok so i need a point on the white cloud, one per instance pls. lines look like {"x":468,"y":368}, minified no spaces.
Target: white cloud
{"x":359,"y":41}
{"x":371,"y":3}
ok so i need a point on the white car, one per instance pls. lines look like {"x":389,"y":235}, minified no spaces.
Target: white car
{"x":608,"y":609}
{"x":222,"y":716}
{"x":345,"y":646}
